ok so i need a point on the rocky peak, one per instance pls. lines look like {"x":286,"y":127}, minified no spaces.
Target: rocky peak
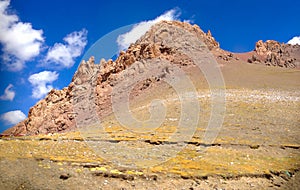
{"x":265,"y":48}
{"x":85,"y":70}
{"x":273,"y":53}
{"x":207,"y":38}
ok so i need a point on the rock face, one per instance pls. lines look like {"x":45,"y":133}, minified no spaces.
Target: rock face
{"x":52,"y":114}
{"x":273,"y":53}
{"x":56,"y":112}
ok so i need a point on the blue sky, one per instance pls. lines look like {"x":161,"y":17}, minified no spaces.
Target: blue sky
{"x":42,"y":42}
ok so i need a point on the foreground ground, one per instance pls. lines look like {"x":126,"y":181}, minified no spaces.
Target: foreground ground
{"x":256,"y":148}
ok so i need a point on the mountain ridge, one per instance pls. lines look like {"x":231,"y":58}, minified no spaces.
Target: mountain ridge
{"x":55,"y":113}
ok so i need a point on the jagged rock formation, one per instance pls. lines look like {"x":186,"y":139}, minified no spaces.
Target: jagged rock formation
{"x":56,"y":112}
{"x":273,"y":53}
{"x":52,"y":114}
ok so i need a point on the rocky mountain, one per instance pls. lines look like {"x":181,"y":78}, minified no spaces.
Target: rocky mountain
{"x":56,"y":112}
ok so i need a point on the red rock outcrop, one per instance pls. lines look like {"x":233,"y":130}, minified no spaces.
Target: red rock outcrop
{"x":273,"y":53}
{"x":52,"y":114}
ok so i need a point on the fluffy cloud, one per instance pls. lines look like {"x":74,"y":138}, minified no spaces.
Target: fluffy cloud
{"x":8,"y":93}
{"x":42,"y":83}
{"x":13,"y":117}
{"x":20,"y":42}
{"x":63,"y":55}
{"x":295,"y":40}
{"x":141,"y":28}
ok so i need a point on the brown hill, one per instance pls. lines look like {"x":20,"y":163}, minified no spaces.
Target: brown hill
{"x":56,"y":112}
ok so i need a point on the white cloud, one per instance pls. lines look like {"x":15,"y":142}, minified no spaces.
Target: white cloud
{"x":295,"y":40}
{"x":20,"y":41}
{"x":42,"y":83}
{"x":13,"y":117}
{"x":141,"y":28}
{"x":190,"y":21}
{"x":8,"y":93}
{"x":63,"y":55}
